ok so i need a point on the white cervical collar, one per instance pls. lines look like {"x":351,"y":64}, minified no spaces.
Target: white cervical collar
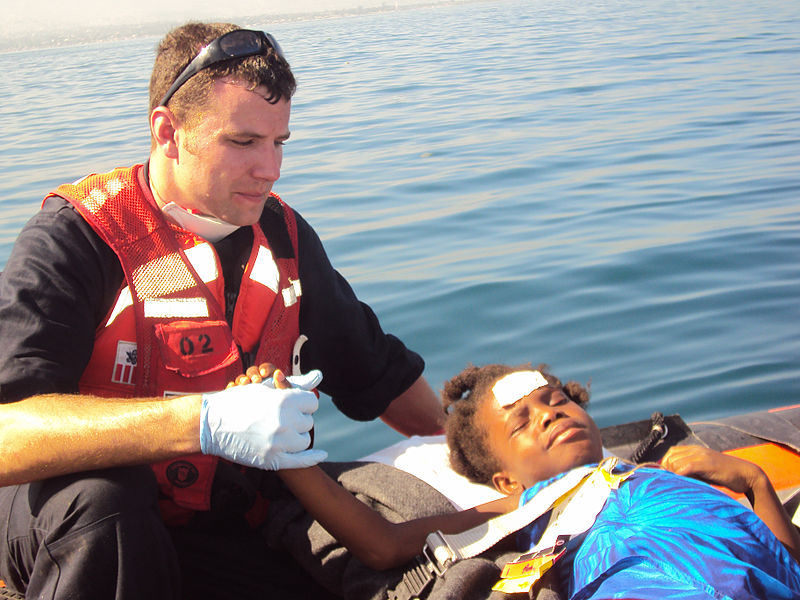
{"x":208,"y":228}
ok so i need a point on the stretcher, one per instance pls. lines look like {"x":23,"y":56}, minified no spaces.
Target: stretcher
{"x":768,"y":438}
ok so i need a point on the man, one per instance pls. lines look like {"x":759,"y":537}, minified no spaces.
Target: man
{"x":130,"y":298}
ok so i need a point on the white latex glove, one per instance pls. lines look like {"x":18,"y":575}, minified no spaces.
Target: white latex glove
{"x":307,"y":381}
{"x":260,"y":426}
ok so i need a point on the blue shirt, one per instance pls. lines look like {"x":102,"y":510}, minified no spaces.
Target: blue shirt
{"x":661,"y":536}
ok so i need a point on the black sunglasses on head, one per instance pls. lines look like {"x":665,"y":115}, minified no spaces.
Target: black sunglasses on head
{"x":234,"y":44}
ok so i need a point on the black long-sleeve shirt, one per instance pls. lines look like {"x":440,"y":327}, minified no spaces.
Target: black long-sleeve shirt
{"x":61,"y":280}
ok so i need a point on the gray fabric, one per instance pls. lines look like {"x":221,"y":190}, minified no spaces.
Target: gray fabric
{"x":398,"y":496}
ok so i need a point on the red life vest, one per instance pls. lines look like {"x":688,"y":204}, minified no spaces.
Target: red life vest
{"x":166,"y":333}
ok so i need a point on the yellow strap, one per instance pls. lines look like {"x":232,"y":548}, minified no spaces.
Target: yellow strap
{"x":535,"y":571}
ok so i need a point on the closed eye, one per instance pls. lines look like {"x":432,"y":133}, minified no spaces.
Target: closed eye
{"x":519,"y":426}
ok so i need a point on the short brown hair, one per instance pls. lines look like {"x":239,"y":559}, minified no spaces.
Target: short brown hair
{"x":183,"y":43}
{"x":467,"y":438}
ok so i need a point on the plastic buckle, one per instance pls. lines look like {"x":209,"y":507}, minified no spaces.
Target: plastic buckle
{"x":438,"y":552}
{"x":436,"y":557}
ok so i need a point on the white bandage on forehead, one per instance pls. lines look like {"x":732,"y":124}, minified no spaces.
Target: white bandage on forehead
{"x":515,"y":386}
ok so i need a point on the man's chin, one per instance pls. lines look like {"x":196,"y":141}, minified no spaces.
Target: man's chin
{"x":244,"y":218}
{"x":247,"y":213}
{"x":245,"y":222}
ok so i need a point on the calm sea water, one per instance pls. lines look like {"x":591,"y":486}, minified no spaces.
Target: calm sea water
{"x":611,"y":187}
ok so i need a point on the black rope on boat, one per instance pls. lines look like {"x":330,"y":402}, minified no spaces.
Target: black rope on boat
{"x":658,"y":431}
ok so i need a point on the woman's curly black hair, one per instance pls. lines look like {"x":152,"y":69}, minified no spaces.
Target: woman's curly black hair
{"x":463,"y":395}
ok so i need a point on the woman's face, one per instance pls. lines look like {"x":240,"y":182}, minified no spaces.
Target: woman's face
{"x":537,"y":436}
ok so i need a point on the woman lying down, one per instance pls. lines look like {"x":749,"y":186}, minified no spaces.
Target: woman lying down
{"x":660,"y":532}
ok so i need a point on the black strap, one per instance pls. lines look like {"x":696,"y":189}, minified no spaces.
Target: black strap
{"x":416,"y":582}
{"x":658,"y":431}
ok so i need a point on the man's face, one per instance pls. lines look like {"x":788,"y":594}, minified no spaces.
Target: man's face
{"x":540,"y":435}
{"x":230,"y":157}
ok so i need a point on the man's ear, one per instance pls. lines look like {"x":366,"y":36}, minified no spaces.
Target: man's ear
{"x":164,"y":128}
{"x":506,"y":484}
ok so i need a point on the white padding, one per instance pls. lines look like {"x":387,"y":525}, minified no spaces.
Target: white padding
{"x":428,"y":459}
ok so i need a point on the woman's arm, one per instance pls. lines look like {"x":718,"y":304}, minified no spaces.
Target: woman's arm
{"x":378,"y":543}
{"x":739,"y":476}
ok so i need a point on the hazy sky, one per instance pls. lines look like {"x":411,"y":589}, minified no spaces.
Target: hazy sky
{"x":32,"y":16}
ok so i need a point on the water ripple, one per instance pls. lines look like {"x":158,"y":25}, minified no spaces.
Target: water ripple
{"x":607,"y":186}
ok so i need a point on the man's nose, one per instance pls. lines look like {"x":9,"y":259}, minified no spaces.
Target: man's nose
{"x":268,"y":164}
